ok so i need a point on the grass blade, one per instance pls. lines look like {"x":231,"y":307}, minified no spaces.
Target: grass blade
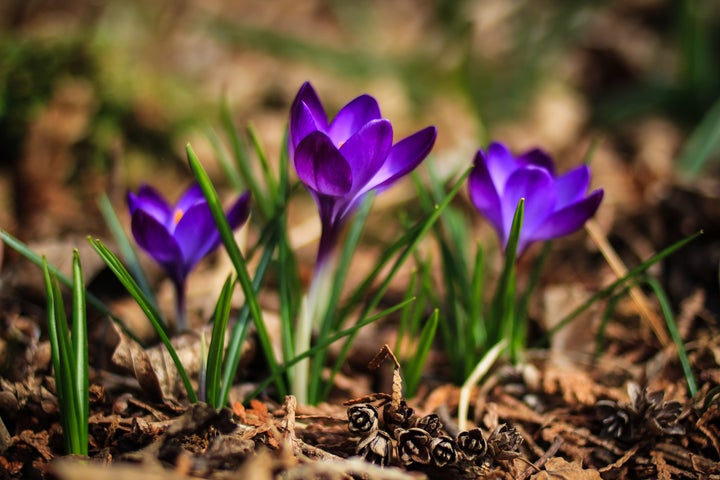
{"x":125,"y":246}
{"x":80,"y":348}
{"x":674,"y":333}
{"x":412,"y":378}
{"x":150,"y":311}
{"x":608,"y":291}
{"x":322,"y":344}
{"x":217,"y":343}
{"x":33,"y":257}
{"x":238,"y":262}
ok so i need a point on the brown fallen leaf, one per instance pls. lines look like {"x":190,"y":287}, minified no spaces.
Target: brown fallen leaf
{"x":559,"y":468}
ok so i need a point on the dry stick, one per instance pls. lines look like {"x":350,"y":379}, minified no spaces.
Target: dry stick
{"x":540,"y":462}
{"x":620,"y":270}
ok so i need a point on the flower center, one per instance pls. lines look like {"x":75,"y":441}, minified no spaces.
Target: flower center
{"x":177,"y":215}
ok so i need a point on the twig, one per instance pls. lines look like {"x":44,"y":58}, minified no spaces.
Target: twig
{"x":618,"y":267}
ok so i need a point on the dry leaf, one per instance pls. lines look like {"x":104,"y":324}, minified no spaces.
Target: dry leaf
{"x":559,"y":468}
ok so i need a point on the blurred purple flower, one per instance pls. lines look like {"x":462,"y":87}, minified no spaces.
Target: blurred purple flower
{"x":179,"y":237}
{"x":554,"y":206}
{"x":342,"y":160}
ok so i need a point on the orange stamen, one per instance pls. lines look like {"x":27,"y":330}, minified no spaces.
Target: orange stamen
{"x":177,"y":216}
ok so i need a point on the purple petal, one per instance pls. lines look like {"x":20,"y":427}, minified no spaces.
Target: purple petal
{"x":302,"y":123}
{"x":239,"y":211}
{"x":538,"y":158}
{"x":484,"y":194}
{"x":196,"y":234}
{"x":570,"y":218}
{"x":404,"y":157}
{"x":537,"y":187}
{"x":572,"y":186}
{"x":156,"y":240}
{"x":367,"y":150}
{"x":151,"y":202}
{"x":321,"y":167}
{"x":500,"y":164}
{"x":306,"y":114}
{"x":191,"y":196}
{"x":352,"y":117}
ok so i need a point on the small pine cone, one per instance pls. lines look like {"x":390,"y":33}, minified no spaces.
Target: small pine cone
{"x":504,"y":442}
{"x":617,"y":421}
{"x":362,"y":418}
{"x":400,"y":417}
{"x":376,"y":448}
{"x":472,"y":444}
{"x":413,"y":446}
{"x":662,"y":417}
{"x":443,"y":451}
{"x":430,"y":423}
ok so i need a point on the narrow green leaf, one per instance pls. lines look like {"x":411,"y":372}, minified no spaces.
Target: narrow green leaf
{"x":409,"y":241}
{"x":217,"y":344}
{"x":608,"y":291}
{"x":232,"y":355}
{"x":326,"y":342}
{"x":331,"y":321}
{"x":80,"y":347}
{"x":674,"y":333}
{"x":62,"y":358}
{"x":33,"y":257}
{"x":704,"y":142}
{"x":226,"y":164}
{"x":268,"y":175}
{"x":125,"y":246}
{"x":238,"y":262}
{"x":412,"y":378}
{"x":113,"y":262}
{"x":242,"y":161}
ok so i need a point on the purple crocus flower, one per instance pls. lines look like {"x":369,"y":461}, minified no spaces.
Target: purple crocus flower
{"x":340,"y":161}
{"x":178,"y":237}
{"x":554,"y":205}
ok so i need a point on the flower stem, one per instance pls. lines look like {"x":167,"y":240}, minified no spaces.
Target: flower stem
{"x":312,"y":311}
{"x":181,"y":321}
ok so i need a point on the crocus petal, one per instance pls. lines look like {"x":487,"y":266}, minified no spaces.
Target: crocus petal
{"x":239,"y":211}
{"x":570,"y":218}
{"x":352,"y":117}
{"x":366,"y":151}
{"x":302,"y":123}
{"x":572,"y":186}
{"x":191,"y":196}
{"x":196,"y":234}
{"x":153,"y":237}
{"x":236,"y":215}
{"x":500,"y":164}
{"x":537,"y":187}
{"x":149,"y":200}
{"x":404,"y":157}
{"x":484,"y":194}
{"x":321,"y":167}
{"x":538,"y":158}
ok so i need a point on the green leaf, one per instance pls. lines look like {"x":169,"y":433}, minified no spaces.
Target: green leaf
{"x":238,"y":262}
{"x":113,"y":262}
{"x":608,"y":291}
{"x":217,"y":344}
{"x":80,"y":348}
{"x":414,"y":372}
{"x":126,"y":250}
{"x":674,"y":333}
{"x":33,"y":257}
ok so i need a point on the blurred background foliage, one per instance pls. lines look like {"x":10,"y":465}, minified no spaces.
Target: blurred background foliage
{"x":532,"y":72}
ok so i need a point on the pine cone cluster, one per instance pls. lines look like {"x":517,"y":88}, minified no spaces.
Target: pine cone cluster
{"x":395,"y":435}
{"x":646,"y":414}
